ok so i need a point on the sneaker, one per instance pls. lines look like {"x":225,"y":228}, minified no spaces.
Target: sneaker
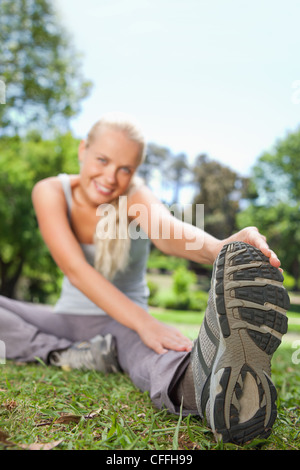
{"x":231,"y":358}
{"x":97,"y":354}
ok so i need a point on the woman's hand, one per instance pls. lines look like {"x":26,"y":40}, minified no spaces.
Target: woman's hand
{"x":252,"y":236}
{"x":161,"y":337}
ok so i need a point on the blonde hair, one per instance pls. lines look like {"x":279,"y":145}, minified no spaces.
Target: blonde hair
{"x":123,"y":123}
{"x":112,"y":251}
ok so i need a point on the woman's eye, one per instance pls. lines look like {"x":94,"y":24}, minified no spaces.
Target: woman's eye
{"x":101,"y":159}
{"x":126,"y":170}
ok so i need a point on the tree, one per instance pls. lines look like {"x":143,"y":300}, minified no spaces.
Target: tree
{"x":44,"y":88}
{"x":277,"y":173}
{"x":220,"y":190}
{"x":280,"y":224}
{"x":156,"y":155}
{"x":40,"y":69}
{"x":177,"y":169}
{"x":22,"y":250}
{"x":276,"y":209}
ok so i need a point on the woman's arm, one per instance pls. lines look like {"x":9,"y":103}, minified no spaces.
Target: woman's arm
{"x":51,"y":211}
{"x":194,"y":243}
{"x":169,"y":234}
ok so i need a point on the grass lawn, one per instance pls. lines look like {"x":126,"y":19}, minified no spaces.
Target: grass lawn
{"x":45,"y":407}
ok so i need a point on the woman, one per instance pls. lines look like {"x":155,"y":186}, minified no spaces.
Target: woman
{"x":101,"y":319}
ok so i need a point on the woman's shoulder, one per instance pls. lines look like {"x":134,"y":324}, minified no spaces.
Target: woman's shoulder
{"x":54,"y":183}
{"x":142,"y":194}
{"x":50,"y":192}
{"x":46,"y":185}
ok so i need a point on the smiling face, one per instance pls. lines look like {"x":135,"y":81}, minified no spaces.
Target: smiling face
{"x":107,"y":166}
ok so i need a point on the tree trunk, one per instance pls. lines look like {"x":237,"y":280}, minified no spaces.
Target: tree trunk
{"x":9,"y":281}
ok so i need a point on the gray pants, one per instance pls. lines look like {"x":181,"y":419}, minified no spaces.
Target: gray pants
{"x":32,"y":330}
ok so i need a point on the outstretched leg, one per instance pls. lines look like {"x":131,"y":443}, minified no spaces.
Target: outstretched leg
{"x":231,"y":359}
{"x":29,"y":331}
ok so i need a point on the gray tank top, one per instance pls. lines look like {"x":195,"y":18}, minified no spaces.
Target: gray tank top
{"x":132,"y":282}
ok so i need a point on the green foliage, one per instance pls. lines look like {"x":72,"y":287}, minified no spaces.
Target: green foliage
{"x":40,"y":68}
{"x":183,"y":294}
{"x":158,"y":261}
{"x":153,"y":289}
{"x":289,"y":282}
{"x":277,"y":174}
{"x":276,"y":210}
{"x":44,"y":89}
{"x":183,"y":279}
{"x":193,"y":301}
{"x":198,"y":300}
{"x":155,"y":157}
{"x":220,"y":190}
{"x":179,"y":172}
{"x":168,"y":299}
{"x":22,"y":250}
{"x":280,"y":224}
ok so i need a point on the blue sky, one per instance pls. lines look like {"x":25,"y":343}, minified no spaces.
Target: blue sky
{"x":213,"y":76}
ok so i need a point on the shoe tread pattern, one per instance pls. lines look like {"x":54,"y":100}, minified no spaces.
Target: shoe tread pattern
{"x":240,"y":433}
{"x":253,"y":266}
{"x":271,"y":294}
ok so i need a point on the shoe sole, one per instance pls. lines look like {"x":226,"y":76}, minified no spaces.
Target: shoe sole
{"x":251,"y":304}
